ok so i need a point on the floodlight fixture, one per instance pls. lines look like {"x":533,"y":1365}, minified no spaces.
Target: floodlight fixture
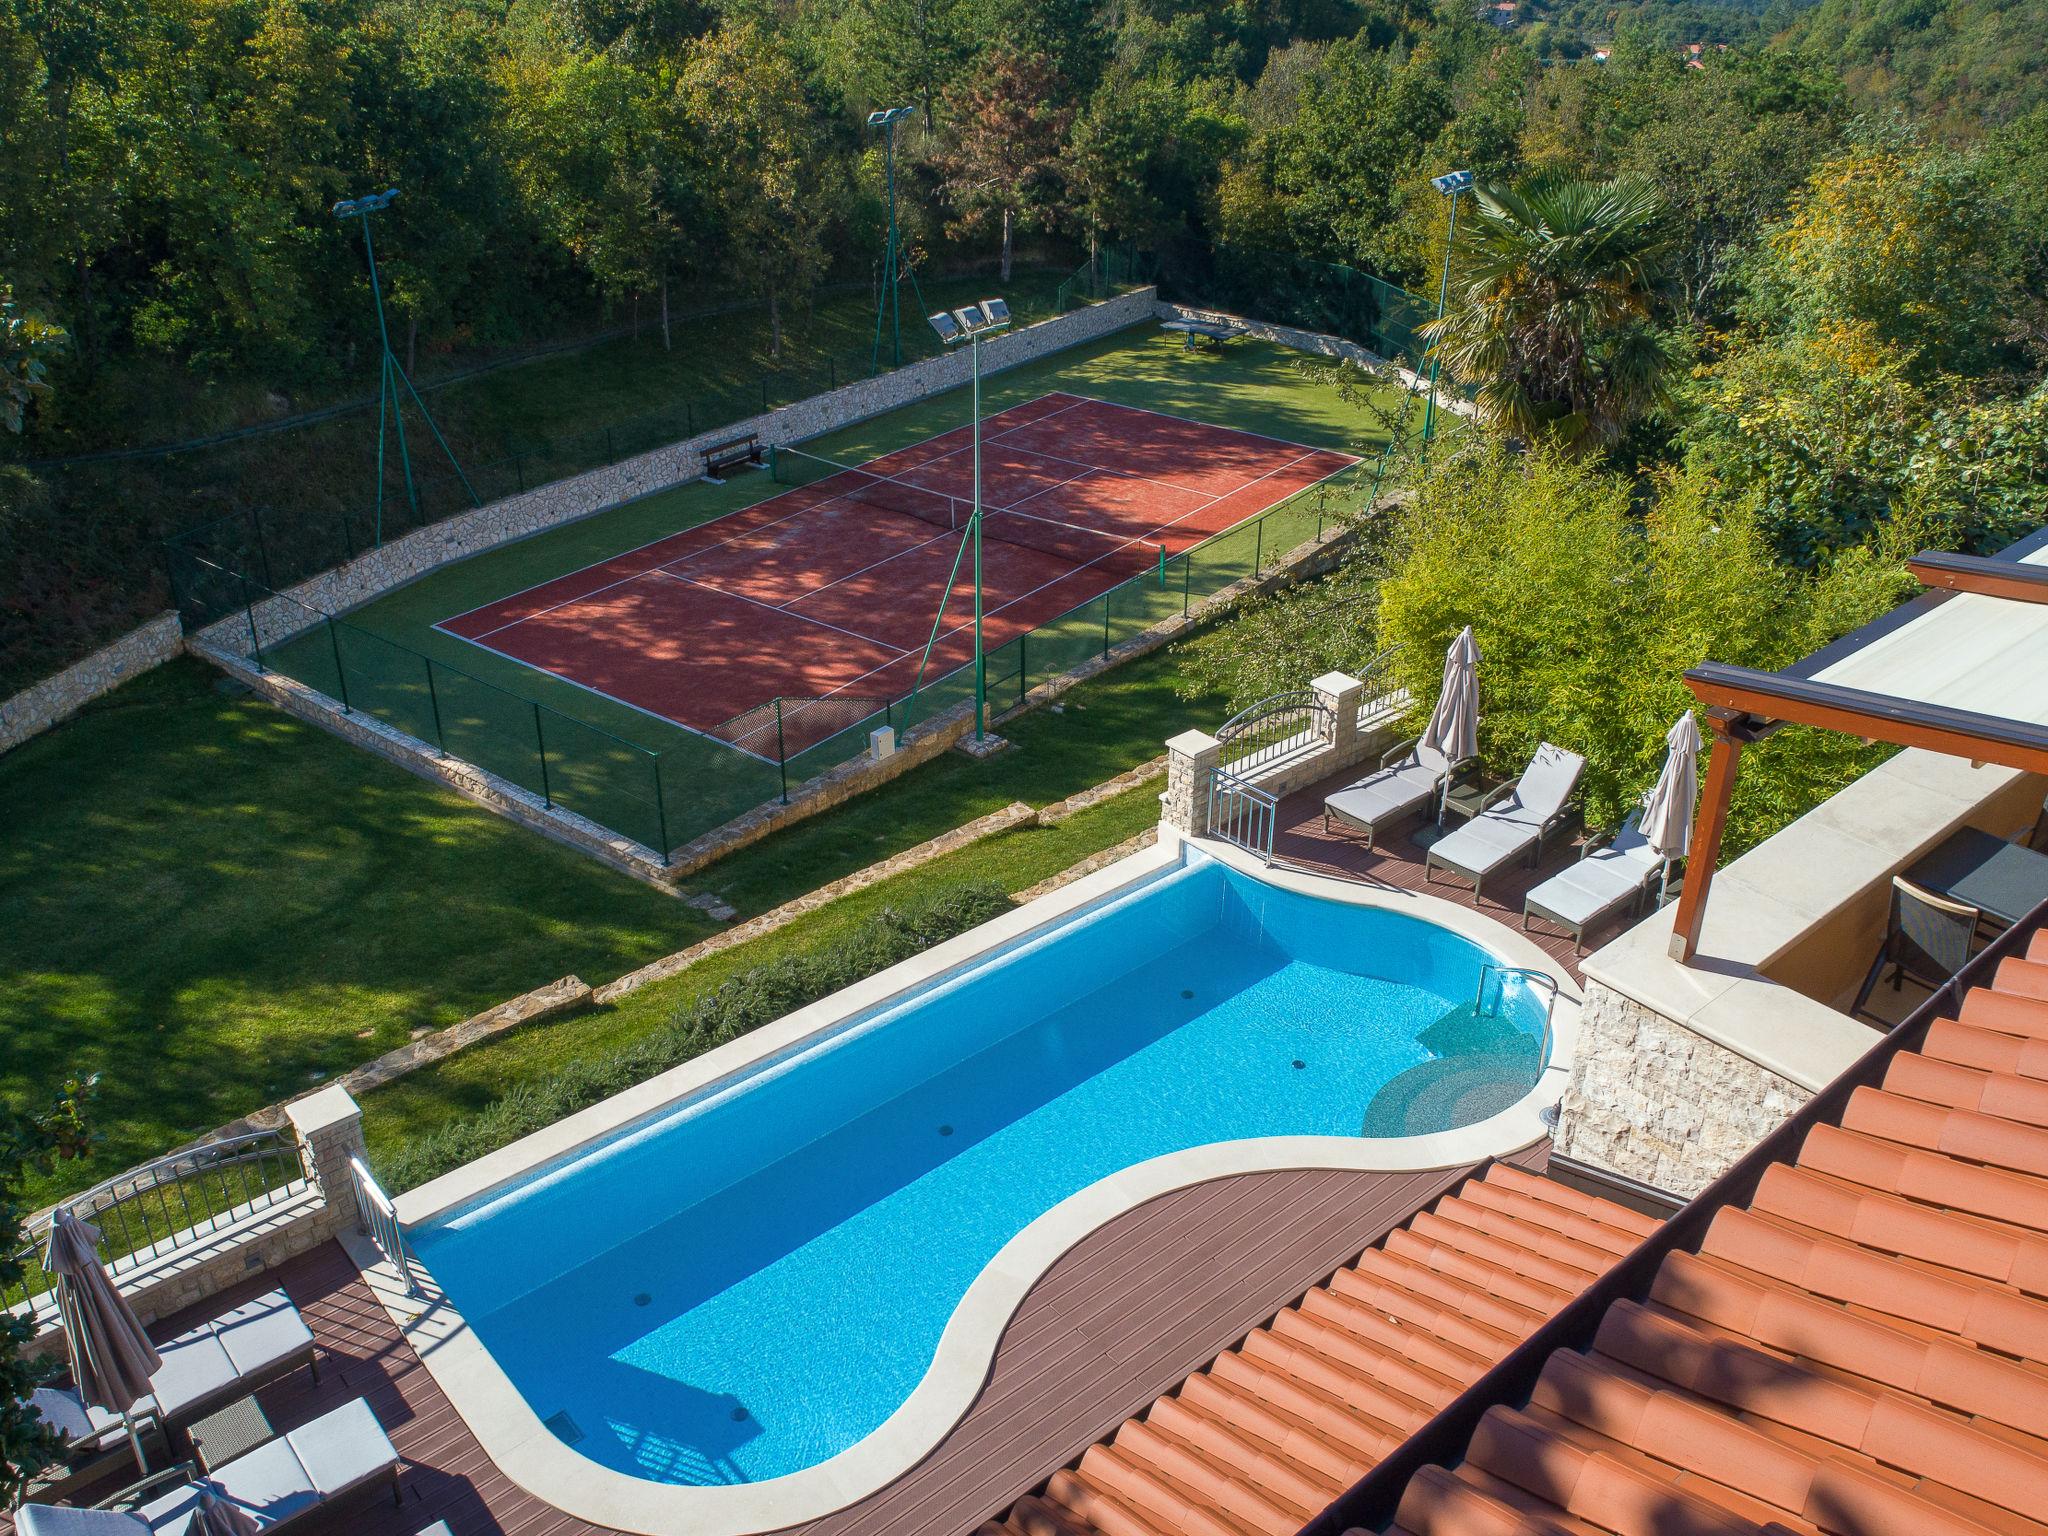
{"x":995,"y":312}
{"x":947,"y":327}
{"x":368,"y":203}
{"x":889,"y":117}
{"x":1451,"y":183}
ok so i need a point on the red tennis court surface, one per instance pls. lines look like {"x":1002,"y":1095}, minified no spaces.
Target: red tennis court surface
{"x":830,"y":588}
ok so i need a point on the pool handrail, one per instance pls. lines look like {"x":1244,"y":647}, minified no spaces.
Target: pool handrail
{"x":1534,"y":977}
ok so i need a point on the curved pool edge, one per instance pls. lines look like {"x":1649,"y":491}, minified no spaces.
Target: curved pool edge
{"x":513,"y":1435}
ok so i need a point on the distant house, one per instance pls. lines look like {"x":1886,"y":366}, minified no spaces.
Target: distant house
{"x":1501,"y":14}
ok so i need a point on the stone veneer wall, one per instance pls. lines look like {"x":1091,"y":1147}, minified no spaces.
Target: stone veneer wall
{"x":404,"y":559}
{"x":35,"y":709}
{"x":1659,"y":1103}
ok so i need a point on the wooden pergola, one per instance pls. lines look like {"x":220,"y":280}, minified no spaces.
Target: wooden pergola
{"x":1940,"y":673}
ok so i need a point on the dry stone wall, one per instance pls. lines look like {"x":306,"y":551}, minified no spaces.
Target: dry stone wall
{"x":34,"y":710}
{"x":1658,"y":1103}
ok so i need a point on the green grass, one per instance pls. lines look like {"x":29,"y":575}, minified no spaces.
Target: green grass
{"x":597,"y":751}
{"x":209,"y":903}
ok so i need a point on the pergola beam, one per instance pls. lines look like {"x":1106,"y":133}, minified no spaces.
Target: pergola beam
{"x":1743,"y":704}
{"x":2013,"y":579}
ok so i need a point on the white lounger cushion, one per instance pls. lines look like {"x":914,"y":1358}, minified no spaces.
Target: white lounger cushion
{"x":1392,"y":791}
{"x":49,"y":1520}
{"x":1508,"y":831}
{"x":245,"y":1344}
{"x":337,"y":1452}
{"x":84,"y":1425}
{"x":1601,"y":881}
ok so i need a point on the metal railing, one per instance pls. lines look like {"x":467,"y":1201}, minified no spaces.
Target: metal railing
{"x":1541,"y":981}
{"x":168,"y":1205}
{"x":380,"y":1220}
{"x":1242,"y":814}
{"x":1277,"y":725}
{"x":1380,"y":687}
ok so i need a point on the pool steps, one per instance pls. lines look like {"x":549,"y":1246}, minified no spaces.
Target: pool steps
{"x":1262,"y":1439}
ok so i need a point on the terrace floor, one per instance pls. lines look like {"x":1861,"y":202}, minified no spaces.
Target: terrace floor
{"x":1397,"y":861}
{"x":1122,"y":1317}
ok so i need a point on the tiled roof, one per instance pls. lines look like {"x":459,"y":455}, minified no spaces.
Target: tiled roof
{"x":1860,"y":1347}
{"x":1263,"y":1438}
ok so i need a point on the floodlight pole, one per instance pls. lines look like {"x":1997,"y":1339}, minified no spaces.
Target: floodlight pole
{"x":1452,"y":186}
{"x":390,"y":374}
{"x":891,"y":302}
{"x":980,"y":655}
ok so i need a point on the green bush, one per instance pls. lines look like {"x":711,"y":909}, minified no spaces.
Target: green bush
{"x":747,"y":1001}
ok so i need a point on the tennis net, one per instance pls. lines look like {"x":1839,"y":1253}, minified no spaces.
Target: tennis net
{"x":1075,"y":543}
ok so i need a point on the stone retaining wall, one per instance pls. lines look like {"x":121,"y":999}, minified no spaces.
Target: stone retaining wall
{"x":413,"y":555}
{"x":1659,"y":1103}
{"x":35,"y":709}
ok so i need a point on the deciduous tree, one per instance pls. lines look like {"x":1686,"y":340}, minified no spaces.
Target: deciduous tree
{"x":1009,"y":123}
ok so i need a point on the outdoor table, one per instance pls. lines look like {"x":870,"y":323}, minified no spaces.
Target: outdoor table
{"x":229,"y":1432}
{"x":1214,"y":332}
{"x":2004,"y":881}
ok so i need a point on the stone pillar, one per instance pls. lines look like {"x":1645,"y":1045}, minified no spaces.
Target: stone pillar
{"x":1339,"y":696}
{"x":330,"y":1132}
{"x":1191,"y":758}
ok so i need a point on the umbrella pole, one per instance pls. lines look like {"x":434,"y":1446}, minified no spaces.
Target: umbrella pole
{"x":134,"y":1442}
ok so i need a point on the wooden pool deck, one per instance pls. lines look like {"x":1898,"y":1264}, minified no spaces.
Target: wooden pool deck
{"x":1123,"y":1316}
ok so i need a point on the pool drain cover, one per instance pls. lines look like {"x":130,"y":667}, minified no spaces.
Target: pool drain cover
{"x":1299,"y":1065}
{"x":945,"y":1130}
{"x":739,"y":1415}
{"x":1187,"y":991}
{"x":564,"y":1428}
{"x":642,"y":1299}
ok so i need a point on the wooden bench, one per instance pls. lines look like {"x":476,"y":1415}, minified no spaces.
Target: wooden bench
{"x":732,"y":453}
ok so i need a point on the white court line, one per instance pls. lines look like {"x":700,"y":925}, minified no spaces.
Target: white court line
{"x":1196,"y":421}
{"x":741,"y":597}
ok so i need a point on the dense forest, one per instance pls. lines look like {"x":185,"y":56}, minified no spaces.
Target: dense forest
{"x":1841,"y":215}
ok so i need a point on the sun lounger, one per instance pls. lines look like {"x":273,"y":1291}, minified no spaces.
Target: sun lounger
{"x":293,"y":1475}
{"x":1410,"y":778}
{"x":97,"y":1442}
{"x":1582,"y":895}
{"x":231,"y":1356}
{"x":1515,"y":822}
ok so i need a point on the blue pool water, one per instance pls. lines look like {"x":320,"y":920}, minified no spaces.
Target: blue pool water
{"x":754,"y":1280}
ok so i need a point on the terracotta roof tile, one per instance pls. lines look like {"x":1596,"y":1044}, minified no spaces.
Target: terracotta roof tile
{"x":1858,"y":1349}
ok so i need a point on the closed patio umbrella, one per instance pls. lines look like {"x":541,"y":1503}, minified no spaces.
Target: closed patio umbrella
{"x":111,"y":1357}
{"x":215,"y":1516}
{"x":1666,"y":822}
{"x":1453,"y":727}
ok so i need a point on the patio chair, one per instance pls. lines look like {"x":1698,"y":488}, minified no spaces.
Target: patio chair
{"x":307,"y":1470}
{"x":1926,"y":937}
{"x":1410,"y":776}
{"x":1581,"y":896}
{"x":231,"y":1356}
{"x":1516,"y":822}
{"x":96,"y":1442}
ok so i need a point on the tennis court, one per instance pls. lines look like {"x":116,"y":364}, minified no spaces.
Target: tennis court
{"x":828,"y":591}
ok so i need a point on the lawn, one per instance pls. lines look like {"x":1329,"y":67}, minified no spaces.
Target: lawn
{"x":213,"y":905}
{"x":598,"y":752}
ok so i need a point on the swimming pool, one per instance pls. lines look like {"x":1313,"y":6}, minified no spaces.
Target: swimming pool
{"x":749,"y":1282}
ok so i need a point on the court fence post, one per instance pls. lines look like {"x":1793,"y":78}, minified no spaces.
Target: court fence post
{"x":1105,"y":621}
{"x":1187,"y":574}
{"x":262,"y":547}
{"x":249,"y":612}
{"x":540,"y":740}
{"x":660,"y":808}
{"x":1023,"y":669}
{"x":1258,"y":545}
{"x":434,"y":698}
{"x":781,"y":757}
{"x":340,"y":671}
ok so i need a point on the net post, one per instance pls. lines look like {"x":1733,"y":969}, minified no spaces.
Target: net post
{"x":340,"y":672}
{"x":540,"y":741}
{"x":781,"y":756}
{"x":660,"y":808}
{"x":434,"y":698}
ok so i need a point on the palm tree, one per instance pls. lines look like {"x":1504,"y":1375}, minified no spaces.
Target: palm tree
{"x":1549,"y":324}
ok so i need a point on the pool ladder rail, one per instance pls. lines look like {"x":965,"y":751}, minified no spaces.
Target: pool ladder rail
{"x":1542,"y":980}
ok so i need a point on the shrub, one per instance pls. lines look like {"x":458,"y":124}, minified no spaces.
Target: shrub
{"x":739,"y":1006}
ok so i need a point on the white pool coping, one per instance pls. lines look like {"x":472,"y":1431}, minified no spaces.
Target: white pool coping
{"x":533,"y":1457}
